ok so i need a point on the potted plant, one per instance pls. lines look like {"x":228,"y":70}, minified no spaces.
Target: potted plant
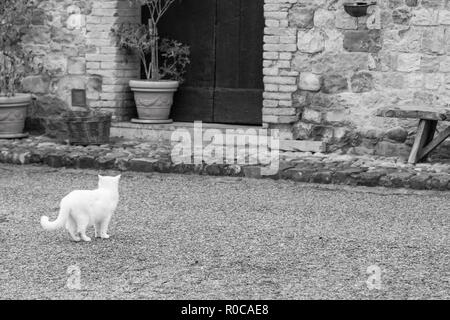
{"x":164,"y":62}
{"x":15,"y":64}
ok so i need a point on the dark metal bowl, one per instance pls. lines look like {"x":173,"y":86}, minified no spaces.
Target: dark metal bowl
{"x":358,"y":8}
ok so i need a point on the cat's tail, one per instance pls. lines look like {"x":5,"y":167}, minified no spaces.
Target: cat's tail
{"x":59,"y":222}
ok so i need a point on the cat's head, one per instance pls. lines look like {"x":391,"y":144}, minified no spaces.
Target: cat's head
{"x":108,"y":182}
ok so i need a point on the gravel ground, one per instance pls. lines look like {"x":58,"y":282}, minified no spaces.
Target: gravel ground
{"x":197,"y":237}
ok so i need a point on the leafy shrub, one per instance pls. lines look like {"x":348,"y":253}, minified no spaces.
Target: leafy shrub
{"x":15,"y":62}
{"x":161,"y":58}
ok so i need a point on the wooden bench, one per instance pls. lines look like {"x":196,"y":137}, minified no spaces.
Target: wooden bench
{"x":425,"y":140}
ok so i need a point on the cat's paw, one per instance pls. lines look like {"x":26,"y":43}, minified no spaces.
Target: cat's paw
{"x":87,"y":239}
{"x":105,"y":236}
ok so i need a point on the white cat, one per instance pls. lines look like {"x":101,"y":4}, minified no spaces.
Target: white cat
{"x":84,"y":208}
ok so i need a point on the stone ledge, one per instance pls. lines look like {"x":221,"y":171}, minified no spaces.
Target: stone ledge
{"x":141,"y":156}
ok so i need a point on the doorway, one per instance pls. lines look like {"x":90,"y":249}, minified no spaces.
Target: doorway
{"x":224,"y":82}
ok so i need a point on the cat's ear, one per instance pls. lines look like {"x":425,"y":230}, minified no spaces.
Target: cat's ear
{"x":100,"y":177}
{"x":118,"y":177}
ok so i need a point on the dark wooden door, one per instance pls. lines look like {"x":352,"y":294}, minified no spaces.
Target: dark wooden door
{"x":224,"y":81}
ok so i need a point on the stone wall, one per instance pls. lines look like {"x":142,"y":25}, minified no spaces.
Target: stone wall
{"x":73,"y":40}
{"x":326,"y":72}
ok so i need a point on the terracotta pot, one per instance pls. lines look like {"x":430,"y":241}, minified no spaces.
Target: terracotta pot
{"x":153,"y":99}
{"x":13,"y":112}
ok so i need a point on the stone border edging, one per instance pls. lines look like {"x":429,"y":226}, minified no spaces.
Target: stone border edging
{"x":111,"y":157}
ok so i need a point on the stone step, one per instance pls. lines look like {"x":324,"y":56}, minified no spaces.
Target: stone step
{"x":248,"y":136}
{"x":155,"y":132}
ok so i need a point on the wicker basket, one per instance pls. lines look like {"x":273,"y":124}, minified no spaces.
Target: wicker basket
{"x":88,"y":128}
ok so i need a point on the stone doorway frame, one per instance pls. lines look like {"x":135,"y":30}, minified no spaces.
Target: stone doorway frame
{"x":280,"y":42}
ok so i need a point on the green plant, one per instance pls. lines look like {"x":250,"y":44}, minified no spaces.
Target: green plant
{"x":161,"y":58}
{"x":175,"y":58}
{"x":15,"y":62}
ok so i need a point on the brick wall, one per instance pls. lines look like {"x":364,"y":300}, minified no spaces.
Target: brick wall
{"x":280,"y":80}
{"x":107,"y":62}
